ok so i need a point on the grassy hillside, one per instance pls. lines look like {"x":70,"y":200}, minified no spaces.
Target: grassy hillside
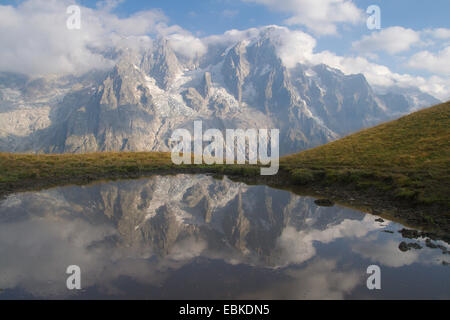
{"x":21,"y":172}
{"x":408,"y":158}
{"x":17,"y":167}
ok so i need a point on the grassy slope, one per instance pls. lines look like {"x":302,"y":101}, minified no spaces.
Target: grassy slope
{"x":22,"y":172}
{"x":23,"y":167}
{"x":408,"y":158}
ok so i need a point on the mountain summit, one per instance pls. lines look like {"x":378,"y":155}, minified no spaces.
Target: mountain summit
{"x":149,"y":93}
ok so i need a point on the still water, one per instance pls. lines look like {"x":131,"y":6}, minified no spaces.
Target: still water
{"x":192,"y":236}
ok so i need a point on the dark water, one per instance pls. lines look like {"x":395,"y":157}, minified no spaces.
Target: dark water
{"x":189,"y":237}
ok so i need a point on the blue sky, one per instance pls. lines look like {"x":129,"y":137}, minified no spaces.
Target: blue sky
{"x":414,"y":40}
{"x":208,"y":17}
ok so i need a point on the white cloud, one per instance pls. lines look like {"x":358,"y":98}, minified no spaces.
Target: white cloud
{"x":433,"y":62}
{"x":322,"y":279}
{"x":232,"y":36}
{"x":36,"y":41}
{"x":386,"y":253}
{"x":319,"y":279}
{"x":25,"y":265}
{"x":392,"y":40}
{"x":319,"y":16}
{"x":186,"y":45}
{"x":296,"y":247}
{"x":295,"y":47}
{"x":439,"y":33}
{"x":396,"y":40}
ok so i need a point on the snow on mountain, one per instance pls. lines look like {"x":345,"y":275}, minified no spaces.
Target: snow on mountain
{"x":244,"y":84}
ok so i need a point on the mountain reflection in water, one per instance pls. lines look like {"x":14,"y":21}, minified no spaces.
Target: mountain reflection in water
{"x":192,"y":236}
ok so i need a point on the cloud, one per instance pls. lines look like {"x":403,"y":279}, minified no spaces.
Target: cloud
{"x":47,"y":46}
{"x":186,"y":45}
{"x":319,"y":16}
{"x":295,"y":46}
{"x":35,"y":254}
{"x":232,"y":36}
{"x":322,"y":279}
{"x":439,"y":33}
{"x":396,"y":40}
{"x":432,"y":62}
{"x":386,"y":253}
{"x":392,"y":40}
{"x":319,"y":279}
{"x":296,"y":247}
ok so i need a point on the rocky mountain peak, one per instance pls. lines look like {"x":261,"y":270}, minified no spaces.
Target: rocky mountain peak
{"x":161,"y":63}
{"x":205,"y":85}
{"x":119,"y":88}
{"x":235,"y":69}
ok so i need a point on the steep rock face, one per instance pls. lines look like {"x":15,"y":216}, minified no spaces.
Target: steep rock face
{"x":104,"y":118}
{"x":257,"y":77}
{"x":161,"y":64}
{"x":147,"y":95}
{"x":205,"y":85}
{"x":345,"y":104}
{"x":235,"y":69}
{"x":194,"y":99}
{"x":400,"y":100}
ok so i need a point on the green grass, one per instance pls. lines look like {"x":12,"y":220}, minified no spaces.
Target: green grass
{"x":408,"y":158}
{"x":17,"y":167}
{"x":20,"y":172}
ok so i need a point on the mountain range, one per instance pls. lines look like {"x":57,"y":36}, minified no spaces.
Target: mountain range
{"x":150,"y":92}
